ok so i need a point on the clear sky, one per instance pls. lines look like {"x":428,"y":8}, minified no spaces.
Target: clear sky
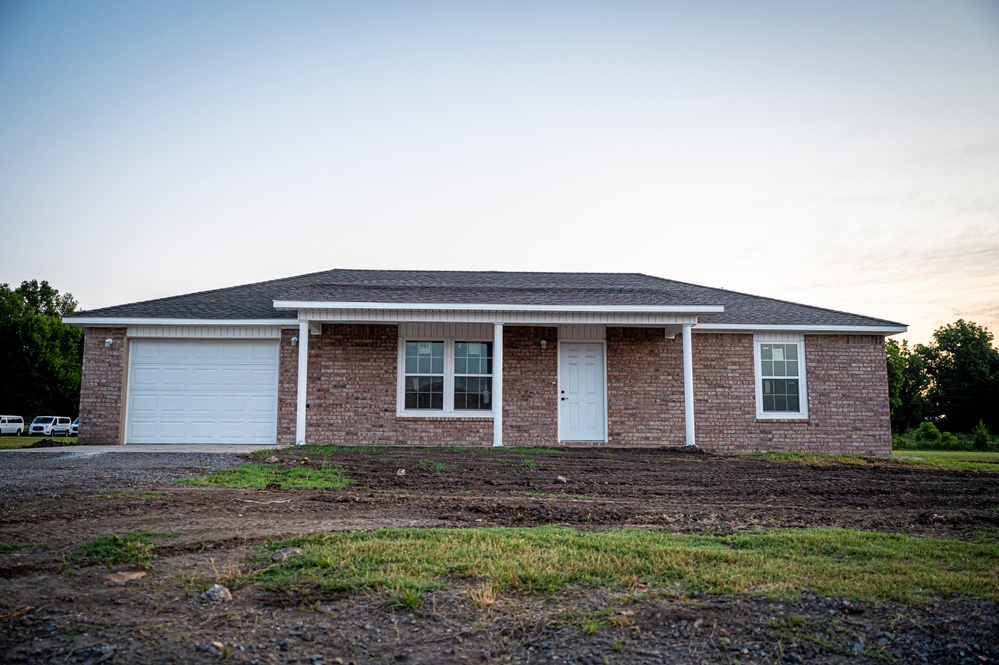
{"x":841,"y":154}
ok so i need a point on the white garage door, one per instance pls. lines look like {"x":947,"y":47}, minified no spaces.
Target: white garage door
{"x":202,"y":391}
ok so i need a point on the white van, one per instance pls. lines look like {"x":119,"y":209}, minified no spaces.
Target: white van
{"x":50,"y":426}
{"x":12,"y":425}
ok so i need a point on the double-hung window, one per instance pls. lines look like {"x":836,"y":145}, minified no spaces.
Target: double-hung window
{"x":445,"y":377}
{"x":780,"y":378}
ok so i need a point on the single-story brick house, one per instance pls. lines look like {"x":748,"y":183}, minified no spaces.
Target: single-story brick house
{"x":485,"y":358}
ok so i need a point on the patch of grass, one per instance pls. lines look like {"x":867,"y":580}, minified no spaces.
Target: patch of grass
{"x":811,"y":459}
{"x":8,"y":548}
{"x":12,"y":442}
{"x":953,"y":459}
{"x":543,"y":560}
{"x":260,"y":475}
{"x":529,"y":463}
{"x":151,"y":494}
{"x":134,"y":549}
{"x":430,"y":465}
{"x":408,"y":600}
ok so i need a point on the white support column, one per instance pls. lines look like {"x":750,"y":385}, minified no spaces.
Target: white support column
{"x":497,"y":384}
{"x":303,"y":381}
{"x":688,"y":386}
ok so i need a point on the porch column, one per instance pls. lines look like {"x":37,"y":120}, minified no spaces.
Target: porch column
{"x":497,"y":384}
{"x":688,"y":386}
{"x":303,"y":381}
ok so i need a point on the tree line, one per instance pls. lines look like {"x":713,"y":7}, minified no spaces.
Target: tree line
{"x":952,"y":382}
{"x":41,"y":357}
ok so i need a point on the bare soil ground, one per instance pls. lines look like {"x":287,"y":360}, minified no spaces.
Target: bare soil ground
{"x":52,"y":612}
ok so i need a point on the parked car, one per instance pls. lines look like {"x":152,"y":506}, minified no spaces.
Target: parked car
{"x":50,"y":426}
{"x":74,"y":429}
{"x":12,"y":425}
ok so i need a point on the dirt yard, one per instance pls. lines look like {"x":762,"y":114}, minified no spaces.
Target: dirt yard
{"x":52,"y":611}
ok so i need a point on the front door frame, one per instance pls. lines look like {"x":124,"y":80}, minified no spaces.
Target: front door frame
{"x":558,"y":394}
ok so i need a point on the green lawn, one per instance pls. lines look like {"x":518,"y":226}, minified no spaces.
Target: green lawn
{"x":8,"y":442}
{"x":545,"y":560}
{"x":261,"y":475}
{"x":952,"y":459}
{"x":940,"y":459}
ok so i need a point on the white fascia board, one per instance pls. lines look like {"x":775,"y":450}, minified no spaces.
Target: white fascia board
{"x":465,"y":307}
{"x":756,"y":327}
{"x":104,"y":322}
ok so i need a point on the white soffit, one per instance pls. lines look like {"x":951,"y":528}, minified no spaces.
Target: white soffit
{"x":814,"y":329}
{"x":492,"y":307}
{"x":205,"y":332}
{"x":491,"y":316}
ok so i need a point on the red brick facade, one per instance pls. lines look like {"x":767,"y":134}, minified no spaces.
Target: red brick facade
{"x":353,"y":383}
{"x":644,"y":388}
{"x":102,"y":394}
{"x":847,"y":397}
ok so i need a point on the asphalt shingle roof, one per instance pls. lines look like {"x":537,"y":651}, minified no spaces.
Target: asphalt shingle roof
{"x":255,"y":301}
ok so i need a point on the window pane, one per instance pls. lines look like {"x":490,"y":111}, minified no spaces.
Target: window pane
{"x":438,"y":365}
{"x":765,"y":352}
{"x":767,"y":368}
{"x":792,"y":351}
{"x":779,"y":368}
{"x":410,"y":364}
{"x":780,"y":403}
{"x":778,"y":351}
{"x":768,"y":402}
{"x":792,"y":368}
{"x":473,"y":357}
{"x":473,"y":393}
{"x":792,"y":403}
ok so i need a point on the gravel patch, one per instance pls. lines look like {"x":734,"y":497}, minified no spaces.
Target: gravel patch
{"x":24,"y":474}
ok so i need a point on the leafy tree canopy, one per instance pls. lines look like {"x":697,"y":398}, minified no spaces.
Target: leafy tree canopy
{"x":41,"y":357}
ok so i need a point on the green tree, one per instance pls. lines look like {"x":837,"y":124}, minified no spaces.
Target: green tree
{"x":907,"y":385}
{"x":963,"y":368}
{"x":41,"y":357}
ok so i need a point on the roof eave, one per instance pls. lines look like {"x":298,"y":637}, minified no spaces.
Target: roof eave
{"x":874,"y":329}
{"x":119,"y":321}
{"x":496,"y":307}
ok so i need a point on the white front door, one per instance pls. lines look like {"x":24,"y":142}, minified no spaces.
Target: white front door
{"x":582,"y":405}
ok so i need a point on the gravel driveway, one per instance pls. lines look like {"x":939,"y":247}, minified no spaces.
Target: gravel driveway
{"x":29,"y":473}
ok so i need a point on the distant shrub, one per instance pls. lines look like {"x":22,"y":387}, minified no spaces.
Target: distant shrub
{"x":980,"y":436}
{"x":927,"y":437}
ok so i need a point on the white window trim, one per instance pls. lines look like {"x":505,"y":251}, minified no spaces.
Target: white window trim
{"x":448,"y":411}
{"x":777,"y":338}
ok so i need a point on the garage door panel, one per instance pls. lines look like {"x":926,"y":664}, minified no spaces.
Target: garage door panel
{"x":204,"y":391}
{"x":174,"y":377}
{"x":202,"y":377}
{"x":145,"y":377}
{"x":235,"y":377}
{"x":172,"y":404}
{"x":263,"y":377}
{"x":202,"y":404}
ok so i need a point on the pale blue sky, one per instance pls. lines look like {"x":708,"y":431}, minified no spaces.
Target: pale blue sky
{"x":842,"y":154}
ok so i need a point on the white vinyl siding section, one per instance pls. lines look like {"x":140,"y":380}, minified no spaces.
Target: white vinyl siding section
{"x":205,"y":332}
{"x":776,"y":373}
{"x":516,"y":318}
{"x":202,"y":391}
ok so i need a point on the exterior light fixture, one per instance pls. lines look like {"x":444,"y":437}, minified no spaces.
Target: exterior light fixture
{"x":544,"y":344}
{"x":294,"y":341}
{"x":108,"y":342}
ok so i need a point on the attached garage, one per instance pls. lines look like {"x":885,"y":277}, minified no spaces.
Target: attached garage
{"x":202,"y":391}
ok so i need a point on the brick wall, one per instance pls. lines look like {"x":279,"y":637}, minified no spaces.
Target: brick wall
{"x":287,"y":388}
{"x":644,"y":388}
{"x":102,"y":387}
{"x":847,"y":397}
{"x":530,"y":386}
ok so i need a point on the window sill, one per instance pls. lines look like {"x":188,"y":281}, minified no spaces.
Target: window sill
{"x":773,"y":418}
{"x":441,"y":415}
